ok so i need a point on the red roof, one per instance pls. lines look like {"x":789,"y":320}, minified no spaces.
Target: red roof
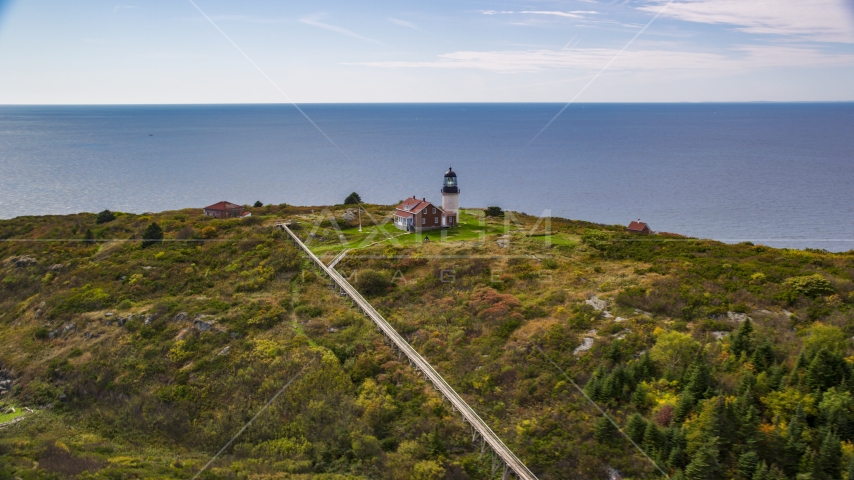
{"x":638,"y":226}
{"x":412,"y":205}
{"x":223,"y":205}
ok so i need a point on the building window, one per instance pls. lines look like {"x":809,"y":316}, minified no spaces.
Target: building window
{"x":435,"y":219}
{"x":434,"y":209}
{"x":423,"y":220}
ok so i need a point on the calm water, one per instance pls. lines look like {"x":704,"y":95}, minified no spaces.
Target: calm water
{"x":777,"y":174}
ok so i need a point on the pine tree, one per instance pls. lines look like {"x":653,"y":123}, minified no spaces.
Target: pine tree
{"x":353,"y":199}
{"x":747,"y":464}
{"x":698,"y":380}
{"x":684,"y":406}
{"x":742,"y":339}
{"x":153,"y":234}
{"x":635,"y":428}
{"x":760,"y":473}
{"x":704,"y":464}
{"x":652,"y":438}
{"x":850,"y":470}
{"x":603,"y":429}
{"x":774,"y":473}
{"x":763,"y":356}
{"x":826,"y":370}
{"x":639,"y":397}
{"x":88,"y":237}
{"x":829,"y":458}
{"x":643,"y":368}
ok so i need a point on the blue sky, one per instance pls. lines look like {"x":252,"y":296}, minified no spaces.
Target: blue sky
{"x":164,"y":51}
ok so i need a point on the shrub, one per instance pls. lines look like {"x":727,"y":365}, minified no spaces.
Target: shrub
{"x":258,"y":204}
{"x":596,"y":239}
{"x":372,"y":282}
{"x":494,"y":212}
{"x":353,"y":199}
{"x":153,"y":234}
{"x":105,"y":217}
{"x":185,"y":233}
{"x":810,"y":285}
{"x":209,"y":232}
{"x":85,"y":299}
{"x":88,"y":237}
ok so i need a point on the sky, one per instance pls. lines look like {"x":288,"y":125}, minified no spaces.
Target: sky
{"x":265,"y":51}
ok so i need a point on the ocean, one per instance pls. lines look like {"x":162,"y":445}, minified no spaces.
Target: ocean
{"x":774,"y":174}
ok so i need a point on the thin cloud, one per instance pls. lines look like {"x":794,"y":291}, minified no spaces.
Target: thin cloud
{"x":333,"y":28}
{"x":246,"y":19}
{"x":817,"y":20}
{"x":738,"y":59}
{"x":403,"y":23}
{"x":555,"y":13}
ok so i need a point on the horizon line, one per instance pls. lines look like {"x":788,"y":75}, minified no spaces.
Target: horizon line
{"x":555,"y":102}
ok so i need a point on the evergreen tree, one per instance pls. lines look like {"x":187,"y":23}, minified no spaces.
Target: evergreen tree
{"x":747,"y":463}
{"x":643,"y":368}
{"x":652,"y":439}
{"x":800,"y":363}
{"x":153,"y":234}
{"x":742,"y":339}
{"x":760,"y":473}
{"x":353,"y":199}
{"x":698,"y":380}
{"x":683,"y":406}
{"x":809,"y":465}
{"x":88,"y":237}
{"x":704,"y":463}
{"x":829,"y":461}
{"x":763,"y":356}
{"x":105,"y":217}
{"x":850,"y":470}
{"x":258,"y":204}
{"x":826,"y":370}
{"x":748,"y":418}
{"x":603,"y":429}
{"x":639,"y":397}
{"x":774,"y":473}
{"x":635,"y":428}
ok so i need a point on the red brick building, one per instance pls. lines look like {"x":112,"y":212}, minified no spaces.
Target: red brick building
{"x":224,"y":210}
{"x":415,"y":215}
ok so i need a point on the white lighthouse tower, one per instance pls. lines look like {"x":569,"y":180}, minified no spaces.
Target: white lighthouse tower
{"x":450,"y":199}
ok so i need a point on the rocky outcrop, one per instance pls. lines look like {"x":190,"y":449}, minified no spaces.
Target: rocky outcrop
{"x":22,"y":261}
{"x":6,"y":381}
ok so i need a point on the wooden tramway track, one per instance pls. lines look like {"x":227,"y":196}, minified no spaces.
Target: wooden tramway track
{"x":512,"y":465}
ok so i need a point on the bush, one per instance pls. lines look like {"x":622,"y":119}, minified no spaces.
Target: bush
{"x":105,"y":217}
{"x":810,"y":285}
{"x":371,"y":282}
{"x":85,"y":299}
{"x":494,"y":212}
{"x":353,"y":199}
{"x":596,"y":239}
{"x":209,"y":232}
{"x":258,"y":204}
{"x":153,"y":234}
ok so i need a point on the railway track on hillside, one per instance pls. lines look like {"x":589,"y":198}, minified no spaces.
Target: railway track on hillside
{"x":503,"y":458}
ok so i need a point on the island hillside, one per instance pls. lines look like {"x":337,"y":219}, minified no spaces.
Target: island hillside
{"x":137,"y":346}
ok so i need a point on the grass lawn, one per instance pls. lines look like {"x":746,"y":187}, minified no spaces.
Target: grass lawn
{"x":8,"y":417}
{"x":473,"y":227}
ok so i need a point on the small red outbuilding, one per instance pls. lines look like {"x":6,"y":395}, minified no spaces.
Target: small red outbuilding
{"x":224,"y":210}
{"x":638,"y":227}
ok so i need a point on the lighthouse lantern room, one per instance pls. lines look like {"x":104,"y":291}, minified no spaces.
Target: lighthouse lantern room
{"x":450,"y":199}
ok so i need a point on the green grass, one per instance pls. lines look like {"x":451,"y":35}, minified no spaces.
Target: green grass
{"x":472,"y":227}
{"x":8,"y":417}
